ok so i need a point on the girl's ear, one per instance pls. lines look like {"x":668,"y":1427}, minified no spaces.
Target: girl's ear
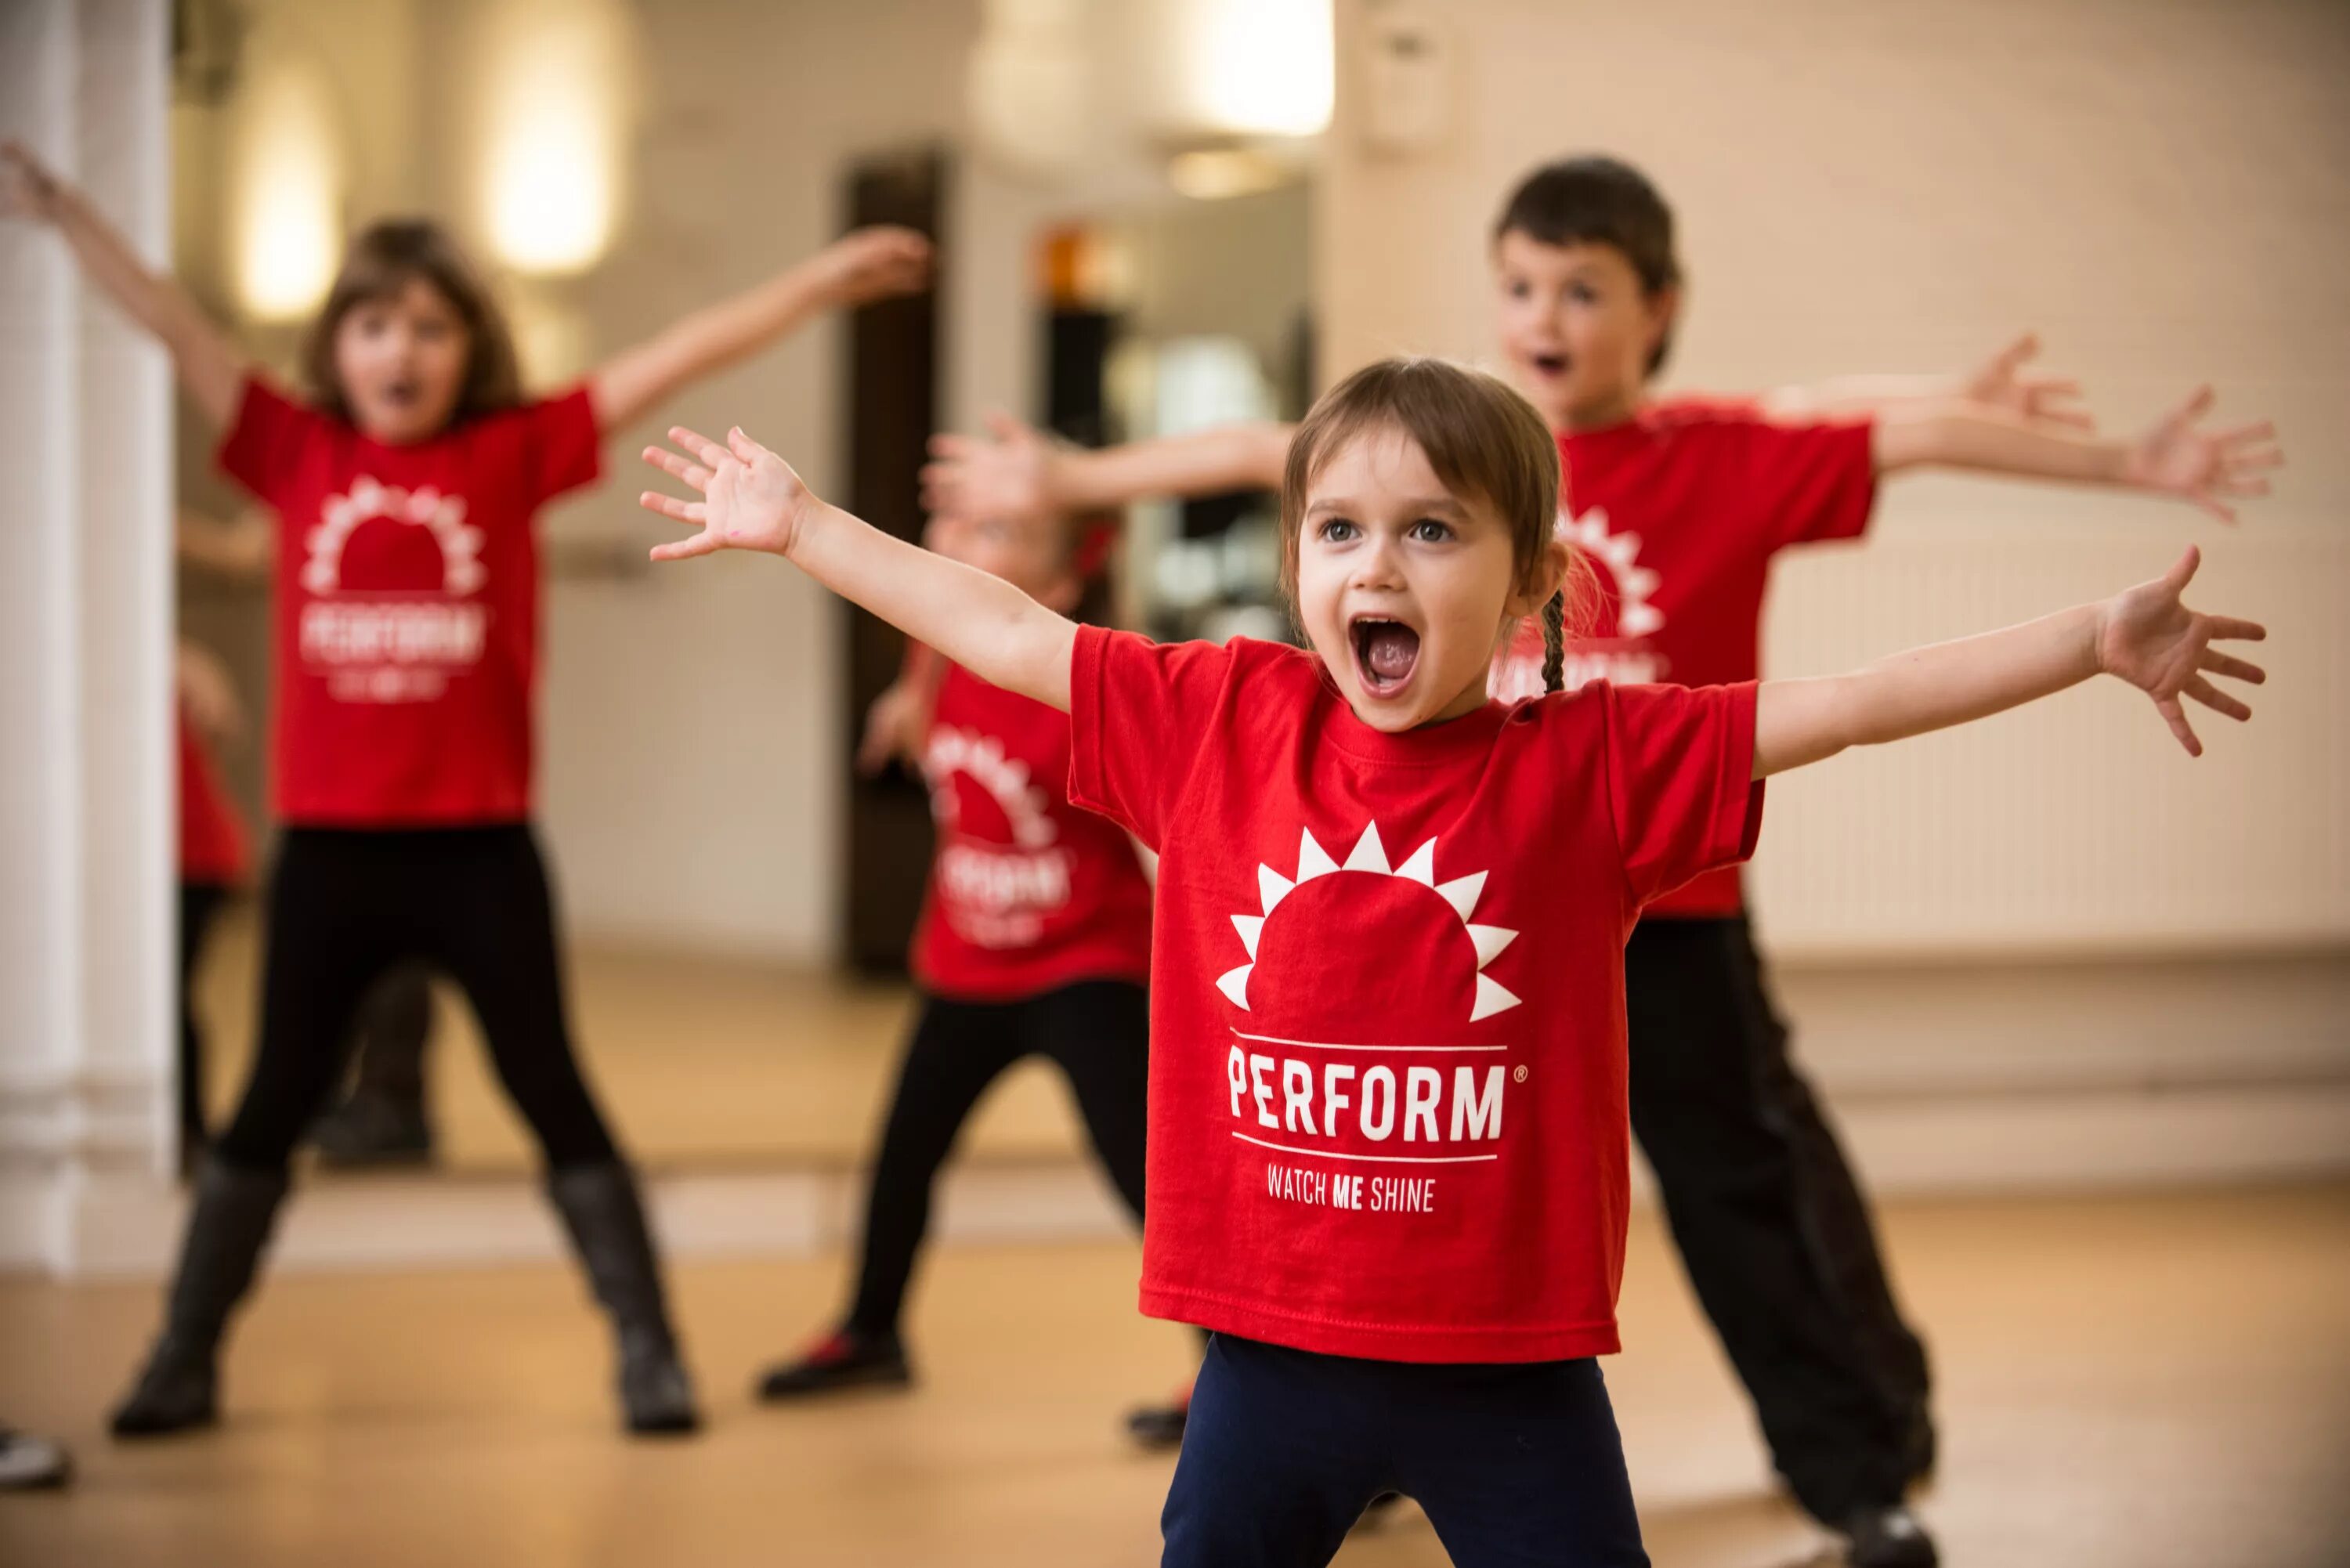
{"x":1664,"y":306}
{"x":1549,"y":573}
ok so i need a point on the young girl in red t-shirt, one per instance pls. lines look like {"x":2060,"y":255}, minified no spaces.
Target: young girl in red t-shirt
{"x":406,"y":482}
{"x":1035,"y":939}
{"x":1388,"y":1149}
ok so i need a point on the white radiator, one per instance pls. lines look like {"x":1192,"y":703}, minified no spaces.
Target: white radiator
{"x":2076,"y":824}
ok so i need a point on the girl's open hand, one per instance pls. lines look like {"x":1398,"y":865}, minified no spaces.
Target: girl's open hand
{"x":750,"y":498}
{"x":877,"y":263}
{"x":2205,"y":466}
{"x":2147,"y":638}
{"x":1007,"y":479}
{"x":2008,"y":380}
{"x":28,"y":188}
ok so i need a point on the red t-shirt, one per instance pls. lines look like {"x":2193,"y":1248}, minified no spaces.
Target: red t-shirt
{"x":1387,"y":1036}
{"x":407,"y":605}
{"x":1027,"y":893}
{"x":212,"y":838}
{"x":1680,"y":512}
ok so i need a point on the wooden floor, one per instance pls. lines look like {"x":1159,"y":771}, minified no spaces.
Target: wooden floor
{"x":2156,"y":1382}
{"x":710,"y":1063}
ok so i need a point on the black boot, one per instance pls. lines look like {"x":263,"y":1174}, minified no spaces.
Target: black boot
{"x":383,"y":1122}
{"x":1888,"y":1537}
{"x":599,"y":1208}
{"x":229,"y":1227}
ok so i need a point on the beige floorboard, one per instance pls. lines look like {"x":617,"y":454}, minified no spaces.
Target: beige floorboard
{"x":2157,"y":1381}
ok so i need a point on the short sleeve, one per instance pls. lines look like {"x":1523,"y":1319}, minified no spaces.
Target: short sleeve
{"x":267,"y":439}
{"x":1680,"y":782}
{"x":1137,"y":709}
{"x":1808,"y":483}
{"x":563,"y":445}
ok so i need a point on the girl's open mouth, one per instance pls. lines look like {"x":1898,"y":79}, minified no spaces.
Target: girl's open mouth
{"x":1385,"y":653}
{"x":1549,"y":364}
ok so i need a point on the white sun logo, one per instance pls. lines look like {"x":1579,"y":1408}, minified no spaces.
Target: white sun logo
{"x":1371,"y":854}
{"x":461,"y":546}
{"x":951,"y":751}
{"x":1620,"y":554}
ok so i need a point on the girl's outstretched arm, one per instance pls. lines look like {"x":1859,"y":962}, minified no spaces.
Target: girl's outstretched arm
{"x":868,"y":264}
{"x":2143,"y":635}
{"x":208,"y":363}
{"x":753,"y":501}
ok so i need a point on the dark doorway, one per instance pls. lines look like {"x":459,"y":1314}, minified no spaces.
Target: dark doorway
{"x":893,"y":403}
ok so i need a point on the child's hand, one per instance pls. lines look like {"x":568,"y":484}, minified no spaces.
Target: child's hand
{"x":2006,"y":381}
{"x":893,"y":728}
{"x":1009,"y":478}
{"x":878,"y":262}
{"x":2156,"y":644}
{"x":28,"y":188}
{"x":752,"y":499}
{"x":207,"y":692}
{"x":2179,"y":459}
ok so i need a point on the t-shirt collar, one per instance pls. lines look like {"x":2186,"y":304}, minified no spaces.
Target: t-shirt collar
{"x":1426,"y":743}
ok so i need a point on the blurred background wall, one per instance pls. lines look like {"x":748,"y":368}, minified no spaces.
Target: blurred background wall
{"x":2161,"y":191}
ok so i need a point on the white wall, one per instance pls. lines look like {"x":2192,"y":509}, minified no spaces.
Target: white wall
{"x":2163,"y":190}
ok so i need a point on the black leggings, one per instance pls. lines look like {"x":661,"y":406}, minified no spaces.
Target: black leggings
{"x":200,"y":904}
{"x":1098,"y":1031}
{"x":345,"y":907}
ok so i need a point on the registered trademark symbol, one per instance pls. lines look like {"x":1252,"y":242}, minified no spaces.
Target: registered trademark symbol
{"x":1519,"y":1076}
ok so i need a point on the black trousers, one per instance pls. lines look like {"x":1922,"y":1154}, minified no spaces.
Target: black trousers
{"x":347,"y":907}
{"x":1771,"y":1227}
{"x":200,"y":904}
{"x":1097,"y":1032}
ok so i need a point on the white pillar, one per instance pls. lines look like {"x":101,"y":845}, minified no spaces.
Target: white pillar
{"x":87,"y":766}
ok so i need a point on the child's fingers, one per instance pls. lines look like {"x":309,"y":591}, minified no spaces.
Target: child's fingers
{"x":686,"y":549}
{"x":2257,"y":451}
{"x":668,"y":462}
{"x":2198,"y":404}
{"x":948,"y":447}
{"x":2176,"y":717}
{"x":2234,"y":669}
{"x":2228,"y":628}
{"x":2182,"y":570}
{"x":2219,"y":701}
{"x":2219,"y":509}
{"x":700,"y":445}
{"x":743,"y":447}
{"x":694,"y":512}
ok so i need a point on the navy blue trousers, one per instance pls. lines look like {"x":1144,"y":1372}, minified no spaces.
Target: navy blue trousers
{"x":1515,"y":1465}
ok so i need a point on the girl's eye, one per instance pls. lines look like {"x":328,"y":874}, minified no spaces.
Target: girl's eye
{"x":1429,"y":531}
{"x":1337,"y":531}
{"x":1582,"y":294}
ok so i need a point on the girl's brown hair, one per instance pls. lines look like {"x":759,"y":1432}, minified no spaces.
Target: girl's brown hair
{"x":1482,"y":439}
{"x":383,"y":259}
